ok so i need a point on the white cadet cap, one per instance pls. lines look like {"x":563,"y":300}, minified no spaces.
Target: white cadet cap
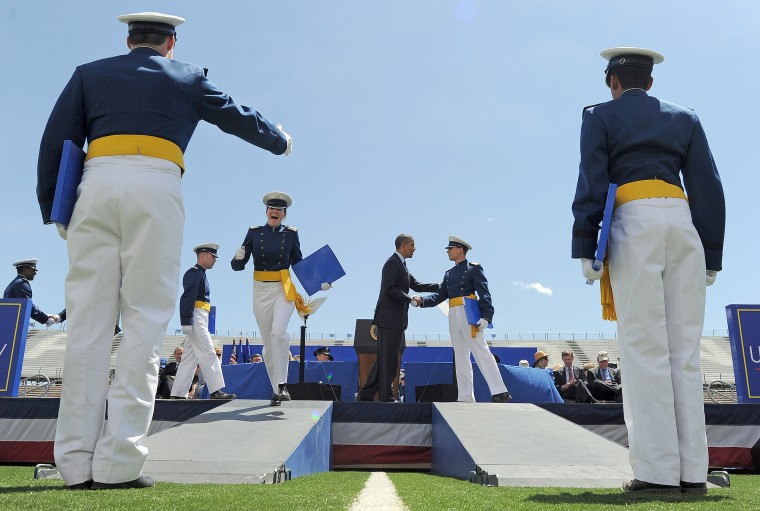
{"x":152,"y":22}
{"x":277,"y":200}
{"x":31,"y":263}
{"x":458,"y":242}
{"x":630,"y":56}
{"x":211,"y":248}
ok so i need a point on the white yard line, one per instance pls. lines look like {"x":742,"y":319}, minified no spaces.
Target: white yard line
{"x":378,"y":494}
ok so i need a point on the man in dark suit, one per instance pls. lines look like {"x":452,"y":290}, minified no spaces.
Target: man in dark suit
{"x":391,"y":319}
{"x":569,"y":381}
{"x":604,"y":381}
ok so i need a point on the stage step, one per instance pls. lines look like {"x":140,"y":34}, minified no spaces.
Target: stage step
{"x":244,"y":441}
{"x":522,"y":445}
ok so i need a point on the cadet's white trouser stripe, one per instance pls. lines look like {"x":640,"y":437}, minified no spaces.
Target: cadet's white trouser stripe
{"x":272,"y":311}
{"x":124,"y":244}
{"x":657,"y":271}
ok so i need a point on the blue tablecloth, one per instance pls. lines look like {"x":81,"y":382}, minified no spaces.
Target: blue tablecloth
{"x":250,"y":381}
{"x":525,"y":384}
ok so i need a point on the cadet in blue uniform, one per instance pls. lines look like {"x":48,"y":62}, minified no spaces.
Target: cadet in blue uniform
{"x":662,"y":252}
{"x":19,"y":288}
{"x":194,"y":308}
{"x":274,"y":248}
{"x":137,"y":113}
{"x":467,"y":279}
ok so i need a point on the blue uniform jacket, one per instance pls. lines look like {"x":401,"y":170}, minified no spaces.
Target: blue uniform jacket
{"x":196,"y":288}
{"x":272,"y":248}
{"x":638,"y":137}
{"x":19,"y":288}
{"x":464,"y":279}
{"x":142,"y":93}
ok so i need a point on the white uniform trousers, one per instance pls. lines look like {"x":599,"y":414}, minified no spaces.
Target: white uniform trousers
{"x":124,"y":243}
{"x":464,"y":344}
{"x":199,"y":349}
{"x":272,"y":311}
{"x":657,"y":272}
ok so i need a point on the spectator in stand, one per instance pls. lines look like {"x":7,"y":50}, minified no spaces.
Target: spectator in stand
{"x":604,"y":381}
{"x":167,"y":374}
{"x":569,"y":381}
{"x":19,"y":288}
{"x":323,"y":354}
{"x":541,"y":360}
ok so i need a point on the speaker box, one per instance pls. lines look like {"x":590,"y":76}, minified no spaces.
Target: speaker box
{"x":312,"y":391}
{"x":439,"y":393}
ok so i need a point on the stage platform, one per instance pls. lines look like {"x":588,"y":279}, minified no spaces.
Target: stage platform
{"x":244,"y":441}
{"x":514,"y":444}
{"x":523,"y":445}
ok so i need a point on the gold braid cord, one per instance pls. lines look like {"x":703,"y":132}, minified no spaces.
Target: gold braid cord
{"x":605,"y":289}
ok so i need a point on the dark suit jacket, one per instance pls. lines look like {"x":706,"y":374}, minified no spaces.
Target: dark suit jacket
{"x":392,"y":308}
{"x":595,"y":374}
{"x":559,"y":376}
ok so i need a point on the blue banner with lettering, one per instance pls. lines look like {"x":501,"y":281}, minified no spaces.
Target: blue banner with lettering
{"x":744,"y":333}
{"x":14,"y":321}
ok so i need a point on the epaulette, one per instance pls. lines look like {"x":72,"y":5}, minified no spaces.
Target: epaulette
{"x":254,"y":227}
{"x":474,"y":264}
{"x":590,"y":106}
{"x":291,"y":228}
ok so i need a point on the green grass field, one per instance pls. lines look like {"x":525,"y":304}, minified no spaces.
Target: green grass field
{"x":337,"y":490}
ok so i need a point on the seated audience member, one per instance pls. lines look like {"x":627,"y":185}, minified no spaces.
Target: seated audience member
{"x":604,"y":381}
{"x":166,"y":374}
{"x":569,"y":381}
{"x":541,"y":360}
{"x":323,"y":354}
{"x":256,"y":357}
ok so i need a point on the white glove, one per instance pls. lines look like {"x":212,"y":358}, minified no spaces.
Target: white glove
{"x":588,"y":270}
{"x":483,"y":323}
{"x":711,"y":276}
{"x":57,"y":318}
{"x":240,"y":254}
{"x":325,"y":286}
{"x":50,"y":321}
{"x":289,"y":148}
{"x":187,"y":329}
{"x":62,"y":232}
{"x":415,"y":302}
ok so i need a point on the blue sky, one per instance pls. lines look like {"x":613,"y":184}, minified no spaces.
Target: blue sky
{"x":426,"y":117}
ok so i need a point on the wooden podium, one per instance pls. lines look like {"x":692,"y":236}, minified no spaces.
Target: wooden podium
{"x":366,"y":351}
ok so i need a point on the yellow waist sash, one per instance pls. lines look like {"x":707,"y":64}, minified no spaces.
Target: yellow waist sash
{"x":291,"y":294}
{"x":203,"y":305}
{"x":646,"y":189}
{"x":458,"y":302}
{"x":143,"y":145}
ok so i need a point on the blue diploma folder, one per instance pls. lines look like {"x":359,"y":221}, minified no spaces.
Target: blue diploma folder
{"x":472,"y":309}
{"x":321,"y":266}
{"x":69,"y":177}
{"x":604,"y":232}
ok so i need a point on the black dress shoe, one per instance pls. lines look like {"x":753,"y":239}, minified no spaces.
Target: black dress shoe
{"x":283,"y":391}
{"x":359,"y":397}
{"x":177,"y":397}
{"x":275,"y":401}
{"x":636,"y":486}
{"x":503,"y":397}
{"x":693,"y":488}
{"x":140,"y":482}
{"x":81,"y":486}
{"x":219,"y":394}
